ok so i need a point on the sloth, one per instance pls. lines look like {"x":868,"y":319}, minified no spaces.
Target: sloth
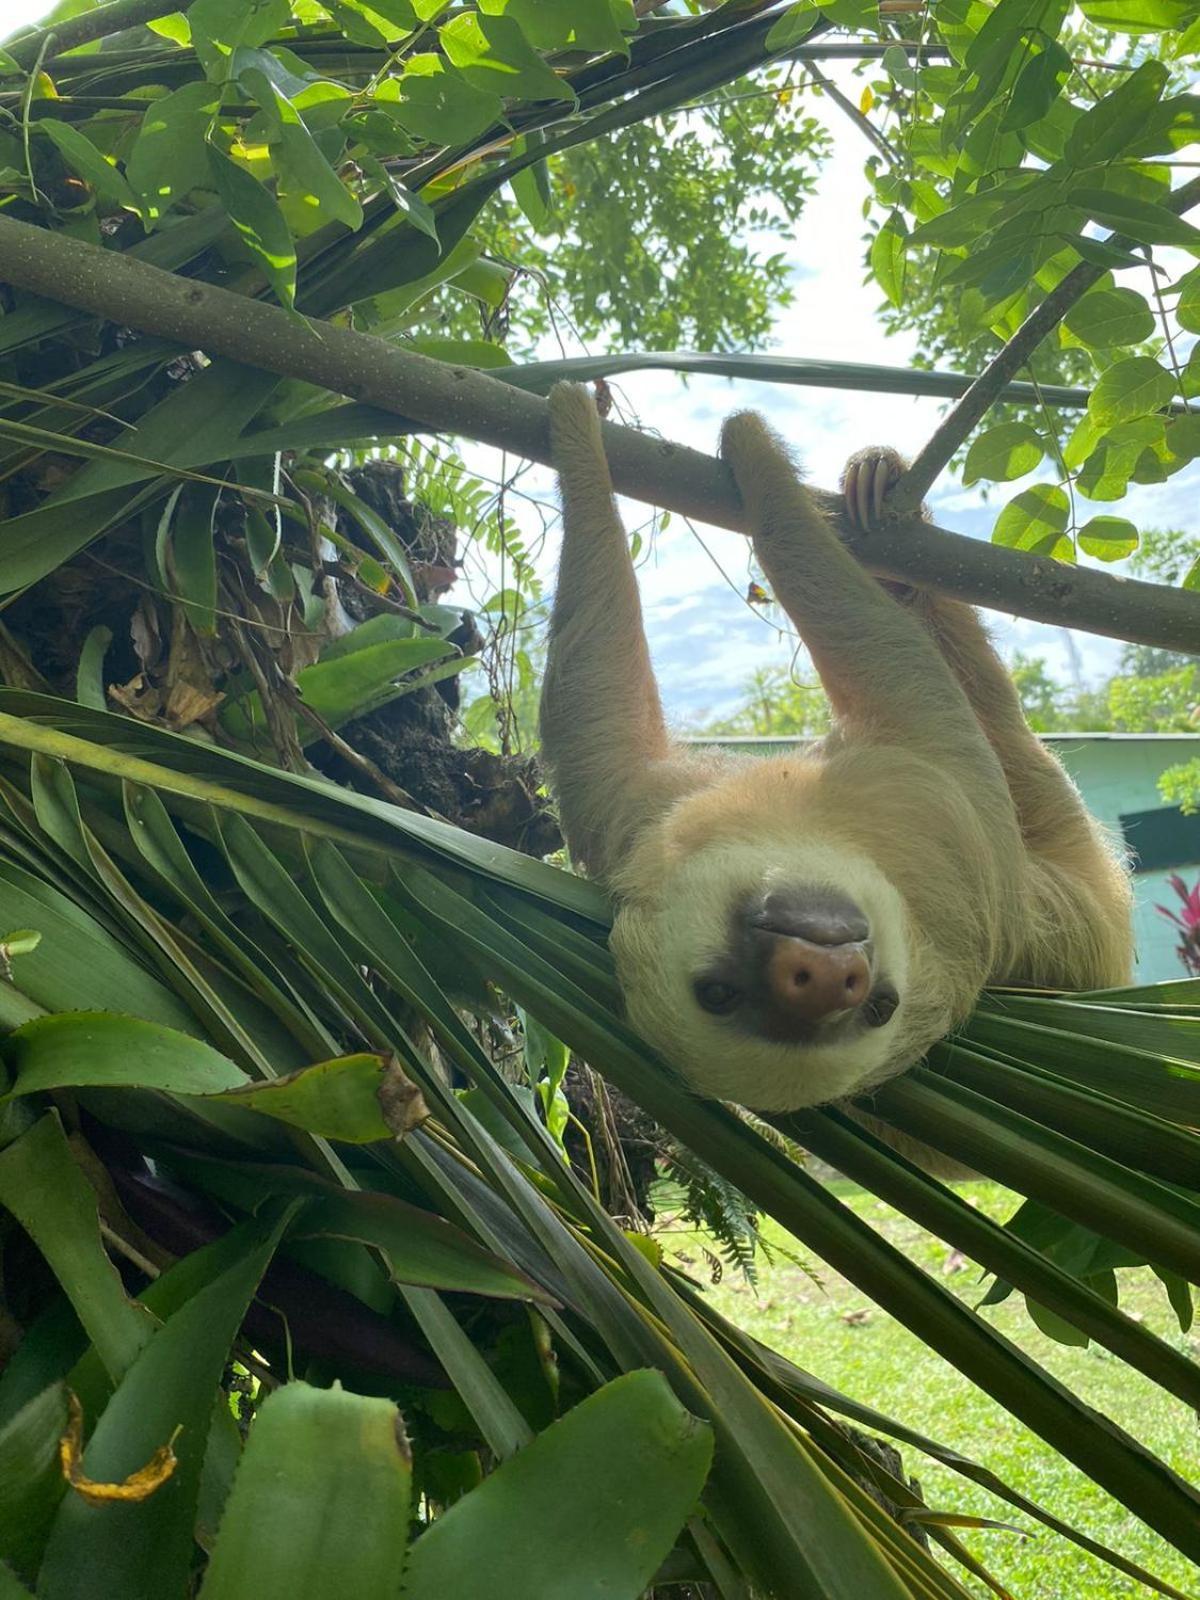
{"x":794,"y":930}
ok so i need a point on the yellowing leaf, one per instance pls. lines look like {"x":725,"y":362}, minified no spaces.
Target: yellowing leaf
{"x":139,"y":1485}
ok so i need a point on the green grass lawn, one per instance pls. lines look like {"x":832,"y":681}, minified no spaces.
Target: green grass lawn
{"x":835,"y":1332}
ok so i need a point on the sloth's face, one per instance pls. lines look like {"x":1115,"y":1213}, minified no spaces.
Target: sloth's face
{"x":776,"y":977}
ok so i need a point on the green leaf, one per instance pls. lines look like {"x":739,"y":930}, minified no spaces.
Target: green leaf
{"x":421,"y":1248}
{"x":199,"y":422}
{"x":1104,"y":318}
{"x":1179,"y":1293}
{"x":1187,"y":308}
{"x":1103,"y":132}
{"x":81,"y":155}
{"x":187,"y":549}
{"x":600,"y":1534}
{"x":1134,"y":387}
{"x":360,"y":23}
{"x":493,"y":54}
{"x":1181,"y":436}
{"x":338,"y":1099}
{"x":1038,"y":86}
{"x":31,"y":1480}
{"x":889,"y":258}
{"x":345,"y":686}
{"x":1006,"y":23}
{"x":173,"y":27}
{"x":322,"y":102}
{"x":377,"y":530}
{"x":1139,"y":219}
{"x":143,"y":1549}
{"x":531,"y":190}
{"x":375,"y":630}
{"x":1109,"y":468}
{"x":1100,"y":253}
{"x":399,"y":16}
{"x":439,"y":104}
{"x":1109,"y":538}
{"x":1137,"y":16}
{"x":793,"y":27}
{"x":896,"y":63}
{"x":481,"y":353}
{"x":1054,"y":1326}
{"x":102,"y":1049}
{"x":853,"y":15}
{"x":1003,"y":453}
{"x":43,"y":1187}
{"x":410,"y":206}
{"x":219,"y":27}
{"x":564,"y":24}
{"x":11,"y":1587}
{"x":321,"y":1502}
{"x":255,"y":214}
{"x":89,"y":674}
{"x":79,"y":959}
{"x":169,"y":156}
{"x":304,"y":173}
{"x":1085,"y":436}
{"x":184,"y":772}
{"x":1036,"y":520}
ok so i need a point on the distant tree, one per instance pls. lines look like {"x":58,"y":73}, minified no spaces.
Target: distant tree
{"x":775,"y":704}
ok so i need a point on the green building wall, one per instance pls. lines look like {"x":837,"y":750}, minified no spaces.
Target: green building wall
{"x":1117,"y":775}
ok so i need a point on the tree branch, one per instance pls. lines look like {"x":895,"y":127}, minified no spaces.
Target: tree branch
{"x":425,"y":394}
{"x":985,"y":391}
{"x":99,"y":24}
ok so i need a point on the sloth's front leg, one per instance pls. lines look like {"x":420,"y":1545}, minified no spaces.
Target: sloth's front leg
{"x":1047,"y":809}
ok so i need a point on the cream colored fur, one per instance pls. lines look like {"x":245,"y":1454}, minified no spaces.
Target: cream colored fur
{"x":931,"y":803}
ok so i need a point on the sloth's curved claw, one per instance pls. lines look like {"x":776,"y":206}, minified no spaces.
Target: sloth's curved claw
{"x":869,"y":477}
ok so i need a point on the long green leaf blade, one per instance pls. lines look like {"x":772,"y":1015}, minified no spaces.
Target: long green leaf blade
{"x":603,"y":1527}
{"x":320,"y":1503}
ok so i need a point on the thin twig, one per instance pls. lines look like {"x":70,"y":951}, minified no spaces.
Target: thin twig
{"x":953,"y":430}
{"x":124,"y":1248}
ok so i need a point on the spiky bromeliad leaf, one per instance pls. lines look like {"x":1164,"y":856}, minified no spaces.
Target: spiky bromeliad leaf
{"x":347,"y":885}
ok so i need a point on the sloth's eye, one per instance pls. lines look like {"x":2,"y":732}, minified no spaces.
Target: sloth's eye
{"x":717,"y":997}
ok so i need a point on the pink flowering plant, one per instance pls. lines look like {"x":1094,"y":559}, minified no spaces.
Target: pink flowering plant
{"x":1187,"y":920}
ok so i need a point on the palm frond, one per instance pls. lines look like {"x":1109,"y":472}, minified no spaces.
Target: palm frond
{"x":282,"y":920}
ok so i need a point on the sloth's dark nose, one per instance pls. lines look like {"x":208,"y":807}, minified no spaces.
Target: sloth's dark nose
{"x":820,"y":916}
{"x":810,"y":980}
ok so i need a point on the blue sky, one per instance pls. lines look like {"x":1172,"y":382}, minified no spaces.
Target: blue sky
{"x":705,"y":640}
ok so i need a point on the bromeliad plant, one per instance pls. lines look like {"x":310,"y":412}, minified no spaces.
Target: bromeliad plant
{"x":230,"y":1057}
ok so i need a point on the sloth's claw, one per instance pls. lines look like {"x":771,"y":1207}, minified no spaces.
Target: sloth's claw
{"x":868,"y":479}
